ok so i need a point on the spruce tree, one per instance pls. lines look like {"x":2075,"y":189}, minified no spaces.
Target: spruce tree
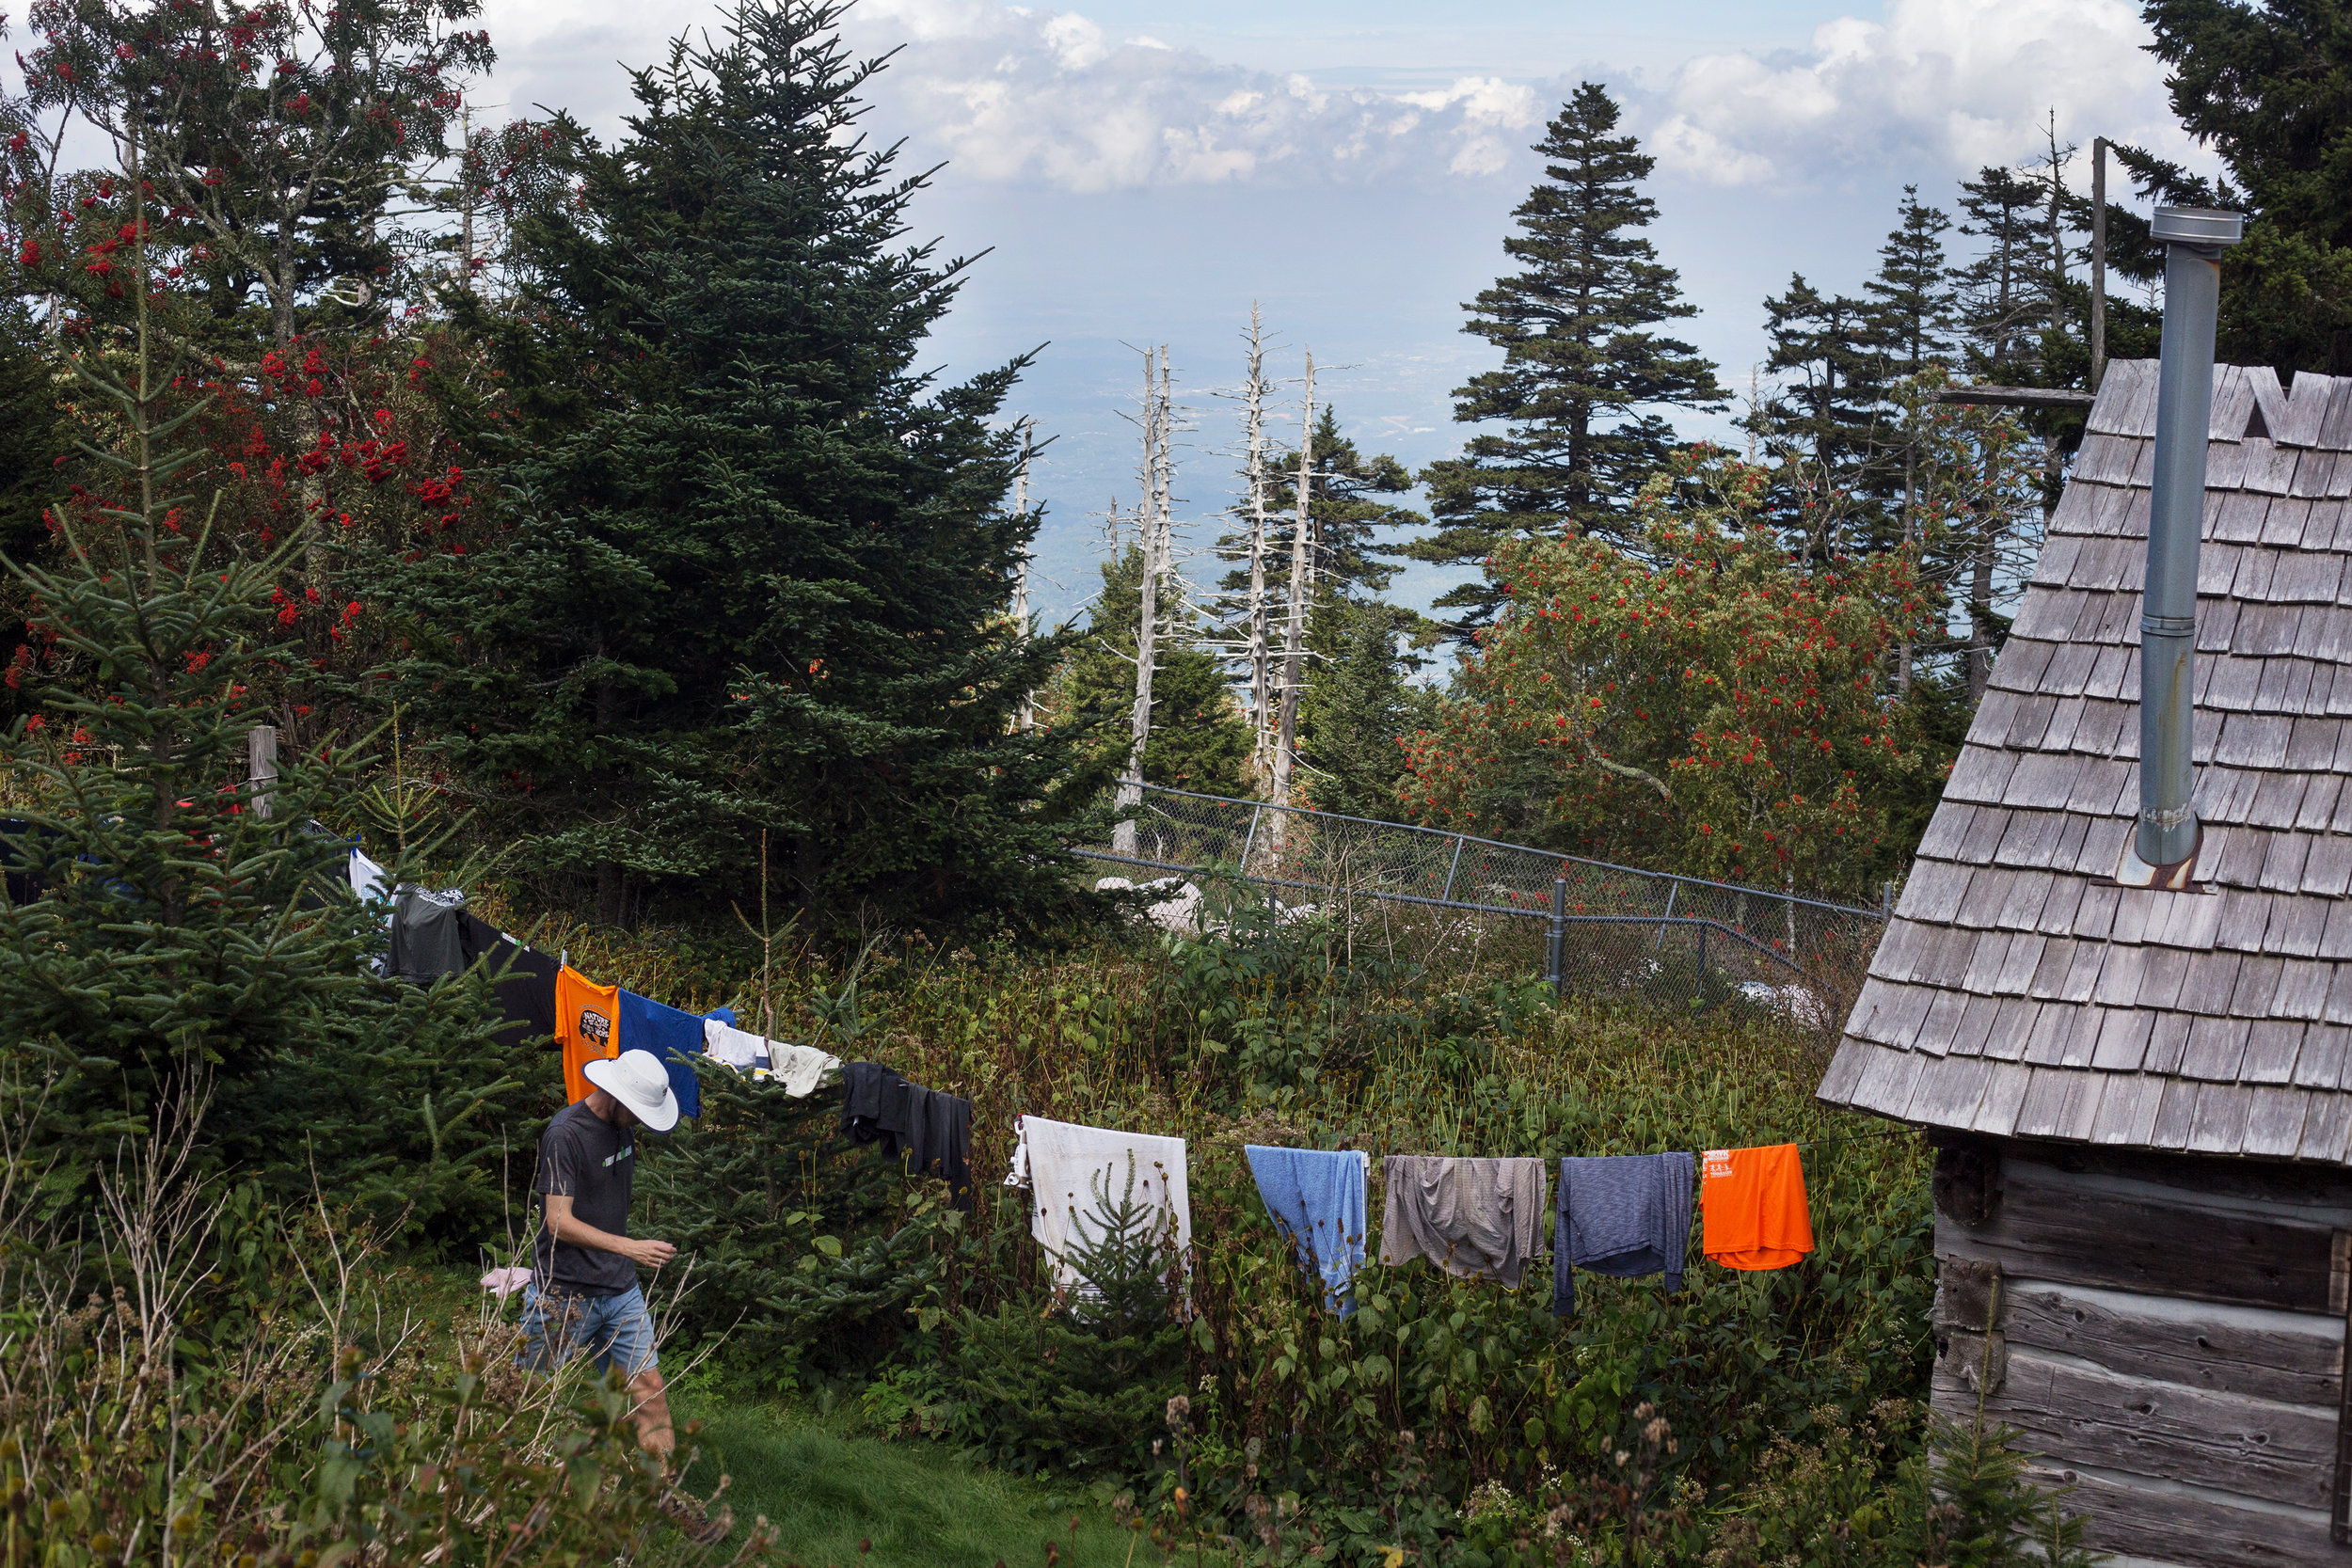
{"x":1828,"y":419}
{"x":758,"y":564}
{"x":1199,"y":737}
{"x":2269,"y":88}
{"x":1912,"y":290}
{"x":1358,"y":701}
{"x":1350,"y":510}
{"x":2003,"y":306}
{"x":1584,"y":372}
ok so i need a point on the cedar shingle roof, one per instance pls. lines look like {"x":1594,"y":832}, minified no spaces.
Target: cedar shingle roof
{"x":2018,"y":991}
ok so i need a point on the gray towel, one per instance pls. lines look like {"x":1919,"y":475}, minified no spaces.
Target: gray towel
{"x":1479,"y":1219}
{"x":1625,"y":1216}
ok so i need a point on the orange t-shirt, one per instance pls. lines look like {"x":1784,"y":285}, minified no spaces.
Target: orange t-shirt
{"x":588,"y":1023}
{"x":1751,"y":1206}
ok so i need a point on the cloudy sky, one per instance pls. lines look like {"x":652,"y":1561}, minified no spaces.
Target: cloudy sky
{"x":1141,"y":172}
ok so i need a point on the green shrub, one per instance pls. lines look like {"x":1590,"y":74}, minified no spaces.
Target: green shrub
{"x":1080,"y":1378}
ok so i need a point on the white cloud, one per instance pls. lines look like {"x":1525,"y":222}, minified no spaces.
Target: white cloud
{"x":1952,"y":85}
{"x":1027,"y":96}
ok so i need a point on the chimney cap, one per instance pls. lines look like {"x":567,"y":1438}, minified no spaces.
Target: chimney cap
{"x":2197,"y":225}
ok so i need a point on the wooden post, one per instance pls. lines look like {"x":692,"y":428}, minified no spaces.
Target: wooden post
{"x":2097,"y":261}
{"x":261,"y":764}
{"x":2340,"y":1494}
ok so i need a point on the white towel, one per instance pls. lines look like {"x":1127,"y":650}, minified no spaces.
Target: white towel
{"x":798,"y":1067}
{"x":1072,"y":1170}
{"x":367,"y":879}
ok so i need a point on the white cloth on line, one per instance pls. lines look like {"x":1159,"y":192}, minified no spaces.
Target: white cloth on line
{"x":798,"y":1067}
{"x":1074,"y":1172}
{"x":367,"y":879}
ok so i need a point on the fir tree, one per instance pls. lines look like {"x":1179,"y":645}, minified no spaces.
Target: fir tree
{"x":33,"y":435}
{"x":2003,"y":305}
{"x":2268,"y":89}
{"x":1828,"y":420}
{"x":1084,"y":1383}
{"x":1912,"y":292}
{"x":758,"y":564}
{"x":1583,"y":373}
{"x":1199,"y":737}
{"x":184,"y":943}
{"x":1358,"y":701}
{"x":1349,"y":512}
{"x":1913,"y":298}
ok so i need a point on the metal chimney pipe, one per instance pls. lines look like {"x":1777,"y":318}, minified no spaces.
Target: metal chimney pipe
{"x":2194,"y":240}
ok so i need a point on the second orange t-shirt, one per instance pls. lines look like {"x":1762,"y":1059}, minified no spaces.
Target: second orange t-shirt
{"x":588,"y":1024}
{"x":1753,"y":1208}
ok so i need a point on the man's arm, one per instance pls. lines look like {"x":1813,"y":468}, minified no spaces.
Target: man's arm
{"x":566,"y":1226}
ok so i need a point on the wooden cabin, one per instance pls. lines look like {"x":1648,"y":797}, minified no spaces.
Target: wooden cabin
{"x":2142,"y":1100}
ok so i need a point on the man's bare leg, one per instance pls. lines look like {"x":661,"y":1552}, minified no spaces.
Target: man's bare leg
{"x":652,"y":1415}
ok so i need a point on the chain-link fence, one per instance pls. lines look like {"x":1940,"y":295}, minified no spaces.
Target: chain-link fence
{"x":1453,"y":901}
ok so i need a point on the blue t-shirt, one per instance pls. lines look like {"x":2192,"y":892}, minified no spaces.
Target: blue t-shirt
{"x":674,"y":1036}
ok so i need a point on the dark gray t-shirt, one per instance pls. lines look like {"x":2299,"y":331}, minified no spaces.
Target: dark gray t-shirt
{"x":586,"y":1158}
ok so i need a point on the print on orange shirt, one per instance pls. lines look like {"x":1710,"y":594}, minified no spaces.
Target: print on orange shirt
{"x":588,"y":1022}
{"x":1752,"y":1209}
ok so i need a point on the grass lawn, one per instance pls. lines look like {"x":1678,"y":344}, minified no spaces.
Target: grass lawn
{"x":825,"y":1487}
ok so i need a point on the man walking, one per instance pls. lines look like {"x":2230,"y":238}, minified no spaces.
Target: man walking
{"x":583,"y":1296}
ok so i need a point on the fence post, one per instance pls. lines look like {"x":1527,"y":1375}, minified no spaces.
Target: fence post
{"x":1456,"y":864}
{"x":1249,"y":838}
{"x":261,"y":758}
{"x":1698,"y":986}
{"x":1559,"y":935}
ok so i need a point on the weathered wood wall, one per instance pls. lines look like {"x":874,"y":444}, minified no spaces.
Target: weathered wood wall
{"x":2166,"y":1333}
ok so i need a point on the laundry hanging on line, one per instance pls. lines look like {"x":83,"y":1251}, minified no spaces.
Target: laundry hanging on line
{"x":1078,"y":1176}
{"x":1316,"y":1197}
{"x":931,"y":1129}
{"x":525,"y":986}
{"x":428,"y":940}
{"x":1475,"y":1219}
{"x":1625,"y":1216}
{"x":367,"y":877}
{"x":798,"y":1069}
{"x":588,"y":1025}
{"x":675,"y":1037}
{"x":1754,"y":1212}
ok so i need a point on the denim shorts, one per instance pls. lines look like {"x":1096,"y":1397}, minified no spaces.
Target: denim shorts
{"x":615,"y":1331}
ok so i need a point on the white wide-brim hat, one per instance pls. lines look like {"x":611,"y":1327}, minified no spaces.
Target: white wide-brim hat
{"x":638,"y":1079}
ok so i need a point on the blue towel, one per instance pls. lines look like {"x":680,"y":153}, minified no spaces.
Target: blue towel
{"x":1625,"y":1216}
{"x":1317,"y":1196}
{"x":674,"y":1036}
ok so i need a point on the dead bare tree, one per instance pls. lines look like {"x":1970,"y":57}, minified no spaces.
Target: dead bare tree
{"x":1295,"y":631}
{"x":1024,"y":715}
{"x":1152,"y":525}
{"x":1261,"y":670}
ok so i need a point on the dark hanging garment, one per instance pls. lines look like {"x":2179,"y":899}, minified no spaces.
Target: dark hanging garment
{"x":1625,"y":1215}
{"x":939,"y":1139}
{"x":18,"y":854}
{"x":428,"y":940}
{"x":874,"y":1105}
{"x":527,"y":994}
